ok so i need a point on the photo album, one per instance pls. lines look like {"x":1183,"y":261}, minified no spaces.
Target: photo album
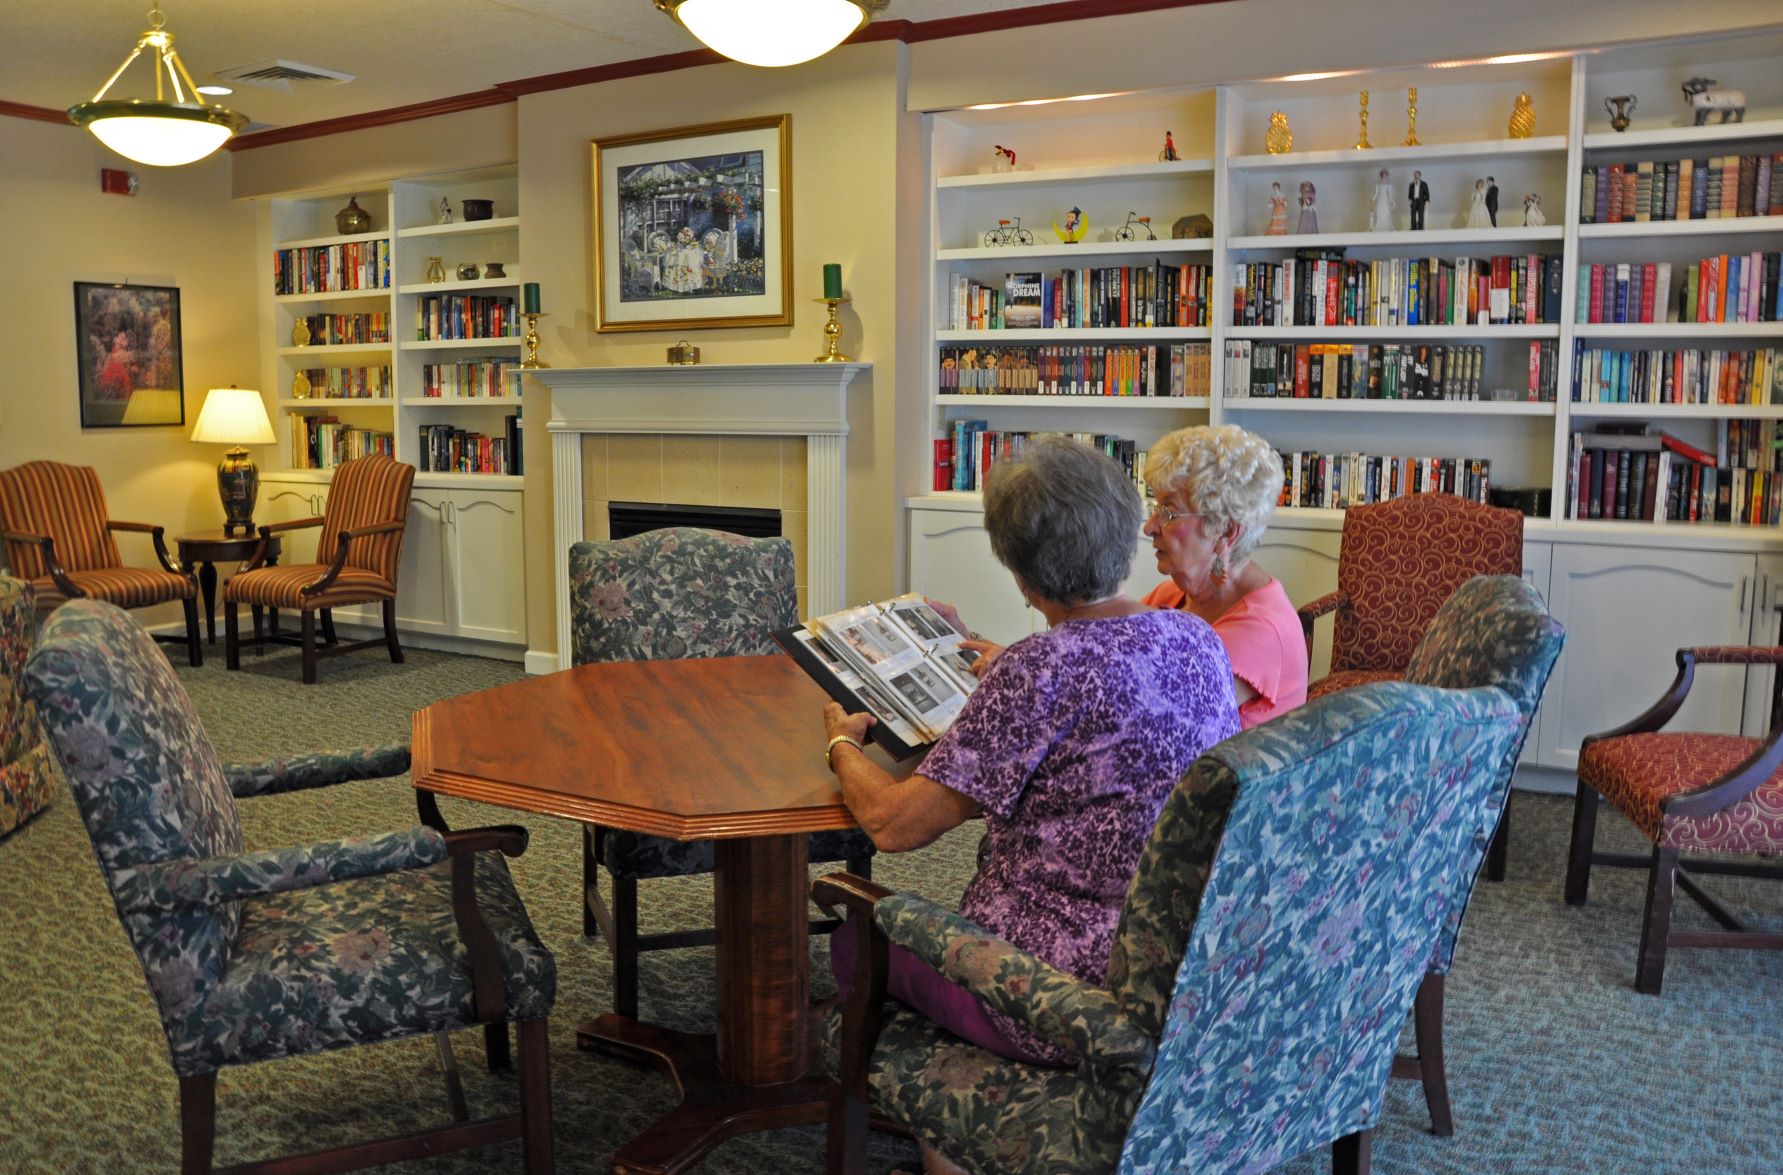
{"x":898,"y":660}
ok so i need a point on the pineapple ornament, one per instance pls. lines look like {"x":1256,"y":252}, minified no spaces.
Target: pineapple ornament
{"x":1278,"y":140}
{"x":1523,"y":117}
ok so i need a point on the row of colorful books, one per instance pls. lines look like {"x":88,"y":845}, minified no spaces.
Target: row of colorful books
{"x":323,"y":442}
{"x":465,"y":316}
{"x":347,"y":383}
{"x":1682,"y":376}
{"x":964,"y":456}
{"x":1340,"y":480}
{"x":1321,"y":288}
{"x":1714,"y":188}
{"x":1180,"y":369}
{"x":1654,"y":477}
{"x":1381,"y":371}
{"x":1723,"y":288}
{"x":322,"y":269}
{"x":1107,"y":296}
{"x":332,"y":330}
{"x":445,"y":449}
{"x":470,"y":379}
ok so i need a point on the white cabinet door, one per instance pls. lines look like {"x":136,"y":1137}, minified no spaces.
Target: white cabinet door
{"x":423,"y":585}
{"x":951,"y":561}
{"x":487,"y":566}
{"x":286,"y":501}
{"x":1767,"y":611}
{"x":1627,"y":611}
{"x":1305,"y":561}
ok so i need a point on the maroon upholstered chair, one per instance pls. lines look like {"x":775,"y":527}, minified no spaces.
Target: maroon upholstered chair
{"x":1399,"y":561}
{"x":61,"y":539}
{"x":356,"y":562}
{"x":1687,"y":793}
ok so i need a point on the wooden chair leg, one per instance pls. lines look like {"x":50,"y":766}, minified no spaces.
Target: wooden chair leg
{"x":328,"y":627}
{"x":198,"y":1123}
{"x":231,"y":635}
{"x":1351,"y":1154}
{"x":590,"y":880}
{"x":1578,"y":858}
{"x":847,"y":1135}
{"x":390,"y":632}
{"x":1500,"y":847}
{"x":307,"y":625}
{"x":194,"y":642}
{"x":535,"y":1095}
{"x":259,"y":622}
{"x":1656,"y":926}
{"x":861,"y":867}
{"x":1427,"y":1017}
{"x":442,"y":1044}
{"x":495,"y":1047}
{"x":625,"y":946}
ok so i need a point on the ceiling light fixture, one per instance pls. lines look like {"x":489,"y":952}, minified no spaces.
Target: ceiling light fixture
{"x":158,"y":131}
{"x":772,"y":32}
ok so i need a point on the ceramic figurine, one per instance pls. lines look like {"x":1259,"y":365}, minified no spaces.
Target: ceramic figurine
{"x":1380,"y":217}
{"x":1076,"y":224}
{"x":445,"y":211}
{"x":1278,"y":212}
{"x":1003,"y":158}
{"x":1168,"y":154}
{"x":1309,"y":214}
{"x":1417,"y":195}
{"x":1523,"y":117}
{"x":1492,"y":200}
{"x":1619,"y":108}
{"x":1532,"y":211}
{"x":1476,"y":207}
{"x":1701,"y":96}
{"x":1278,"y":139}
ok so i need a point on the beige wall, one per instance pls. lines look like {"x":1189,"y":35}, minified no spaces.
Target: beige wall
{"x":181,"y":229}
{"x":452,"y":142}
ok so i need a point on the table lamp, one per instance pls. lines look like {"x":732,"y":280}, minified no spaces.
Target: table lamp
{"x":235,"y":417}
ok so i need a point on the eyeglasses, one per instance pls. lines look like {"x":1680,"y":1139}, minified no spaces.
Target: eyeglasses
{"x":1162,"y":516}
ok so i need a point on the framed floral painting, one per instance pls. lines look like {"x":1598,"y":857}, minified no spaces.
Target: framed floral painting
{"x":127,"y":339}
{"x":692,"y":227}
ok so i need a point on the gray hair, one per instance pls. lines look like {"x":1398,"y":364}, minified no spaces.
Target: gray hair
{"x":1063,"y":518}
{"x":1225,"y":474}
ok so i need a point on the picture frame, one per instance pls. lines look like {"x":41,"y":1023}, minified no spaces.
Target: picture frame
{"x":693,"y":227}
{"x":127,"y":344}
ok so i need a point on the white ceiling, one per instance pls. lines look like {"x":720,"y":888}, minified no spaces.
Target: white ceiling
{"x":403,"y":51}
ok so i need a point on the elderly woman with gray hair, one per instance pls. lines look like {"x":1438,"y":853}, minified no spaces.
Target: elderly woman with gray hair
{"x":1068,"y":746}
{"x":1215,"y":489}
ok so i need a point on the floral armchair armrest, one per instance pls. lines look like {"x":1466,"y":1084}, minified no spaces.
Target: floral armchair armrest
{"x":1059,"y":1006}
{"x":270,"y":777}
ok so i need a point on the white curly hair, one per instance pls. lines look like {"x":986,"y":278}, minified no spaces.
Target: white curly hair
{"x":1226,"y":474}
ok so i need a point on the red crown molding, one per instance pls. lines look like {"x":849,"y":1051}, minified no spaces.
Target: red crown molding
{"x":1039,"y":14}
{"x":40,"y":113}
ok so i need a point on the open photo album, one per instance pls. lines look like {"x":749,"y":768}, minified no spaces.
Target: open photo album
{"x":898,"y":660}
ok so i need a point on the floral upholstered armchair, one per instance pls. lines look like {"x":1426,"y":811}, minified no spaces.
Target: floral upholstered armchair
{"x":1494,"y":630}
{"x":27,"y":783}
{"x":1283,"y":913}
{"x":252,"y":956}
{"x":665,"y":595}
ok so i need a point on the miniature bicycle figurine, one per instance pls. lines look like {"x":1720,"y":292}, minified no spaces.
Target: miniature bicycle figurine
{"x":1134,"y":222}
{"x":1008,"y":233}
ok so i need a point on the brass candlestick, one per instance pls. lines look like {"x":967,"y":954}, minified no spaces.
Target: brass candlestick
{"x":1362,"y":143}
{"x":1411,"y":116}
{"x":532,"y":360}
{"x":832,"y":333}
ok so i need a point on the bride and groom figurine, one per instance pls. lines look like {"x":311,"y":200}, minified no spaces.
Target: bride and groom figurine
{"x":1482,"y":209}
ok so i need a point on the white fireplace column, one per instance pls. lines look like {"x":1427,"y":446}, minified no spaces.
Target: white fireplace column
{"x":808,"y":400}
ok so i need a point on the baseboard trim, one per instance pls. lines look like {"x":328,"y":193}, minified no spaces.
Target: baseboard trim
{"x":410,"y":640}
{"x":1548,"y":781}
{"x":538,"y":664}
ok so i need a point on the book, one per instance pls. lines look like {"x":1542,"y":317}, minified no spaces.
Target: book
{"x":1021,"y":301}
{"x":898,"y":660}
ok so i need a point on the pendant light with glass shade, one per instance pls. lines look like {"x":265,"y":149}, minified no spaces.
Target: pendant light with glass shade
{"x":772,"y":32}
{"x":161,"y":131}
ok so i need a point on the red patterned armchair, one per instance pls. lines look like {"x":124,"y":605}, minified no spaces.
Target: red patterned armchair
{"x":356,"y":562}
{"x":1687,"y":792}
{"x":60,"y":539}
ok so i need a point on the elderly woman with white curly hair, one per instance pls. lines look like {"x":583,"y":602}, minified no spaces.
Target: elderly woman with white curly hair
{"x":1215,"y":489}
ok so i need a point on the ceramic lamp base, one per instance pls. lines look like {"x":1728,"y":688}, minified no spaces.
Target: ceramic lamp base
{"x":238,"y":483}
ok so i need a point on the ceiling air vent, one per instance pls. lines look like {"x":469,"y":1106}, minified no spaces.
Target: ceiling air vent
{"x":279,"y":74}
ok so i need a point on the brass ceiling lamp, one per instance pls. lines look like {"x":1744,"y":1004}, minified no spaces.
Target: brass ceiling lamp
{"x":161,"y":131}
{"x":772,"y":32}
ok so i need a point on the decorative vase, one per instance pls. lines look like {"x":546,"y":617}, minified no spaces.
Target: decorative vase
{"x":467,"y":272}
{"x":1278,"y":139}
{"x":436,"y":270}
{"x":238,"y":484}
{"x":494,"y":269}
{"x":300,"y":333}
{"x":1523,"y":117}
{"x":352,"y":219}
{"x":300,"y":386}
{"x":477,"y":209}
{"x":1619,"y":108}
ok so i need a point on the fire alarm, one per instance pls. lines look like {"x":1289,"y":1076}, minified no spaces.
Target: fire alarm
{"x":117,"y":182}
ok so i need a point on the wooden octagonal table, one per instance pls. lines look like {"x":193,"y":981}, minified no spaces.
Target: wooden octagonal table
{"x":724,"y":749}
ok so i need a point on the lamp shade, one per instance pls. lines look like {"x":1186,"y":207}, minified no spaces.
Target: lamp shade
{"x":159,"y":134}
{"x":233,"y":416}
{"x":771,"y":32}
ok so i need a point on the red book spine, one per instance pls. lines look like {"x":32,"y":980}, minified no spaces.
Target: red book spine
{"x":1331,"y":295}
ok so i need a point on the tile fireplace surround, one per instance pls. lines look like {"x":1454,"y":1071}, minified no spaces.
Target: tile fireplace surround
{"x":808,"y":400}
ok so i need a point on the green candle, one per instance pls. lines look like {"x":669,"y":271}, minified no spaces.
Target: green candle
{"x":531,"y":293}
{"x":832,"y":281}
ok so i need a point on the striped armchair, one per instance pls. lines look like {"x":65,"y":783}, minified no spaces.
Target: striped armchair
{"x":60,"y":539}
{"x":356,"y":561}
{"x":26,"y":782}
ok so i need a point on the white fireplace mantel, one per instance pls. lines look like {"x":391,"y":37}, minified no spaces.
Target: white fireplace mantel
{"x":758,"y":399}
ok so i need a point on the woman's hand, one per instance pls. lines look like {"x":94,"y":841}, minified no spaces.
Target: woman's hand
{"x":950,"y":614}
{"x":838,"y":722}
{"x":987,"y":652}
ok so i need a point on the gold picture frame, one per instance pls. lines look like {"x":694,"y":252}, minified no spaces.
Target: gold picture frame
{"x":693,"y":227}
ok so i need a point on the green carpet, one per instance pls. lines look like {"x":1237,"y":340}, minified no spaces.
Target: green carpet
{"x":1555,"y":1064}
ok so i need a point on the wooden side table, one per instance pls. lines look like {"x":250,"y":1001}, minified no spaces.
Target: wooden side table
{"x":204,"y":549}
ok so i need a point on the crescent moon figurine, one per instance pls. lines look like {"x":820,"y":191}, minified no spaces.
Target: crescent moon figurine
{"x":1076,"y":225}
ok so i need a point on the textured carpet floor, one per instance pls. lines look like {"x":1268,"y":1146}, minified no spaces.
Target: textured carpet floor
{"x":1555,"y":1064}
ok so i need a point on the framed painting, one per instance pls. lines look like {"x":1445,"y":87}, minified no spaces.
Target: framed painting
{"x":128,"y":343}
{"x":692,"y":227}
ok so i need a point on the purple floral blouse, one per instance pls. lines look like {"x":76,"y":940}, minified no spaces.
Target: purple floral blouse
{"x":1071,"y":744}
